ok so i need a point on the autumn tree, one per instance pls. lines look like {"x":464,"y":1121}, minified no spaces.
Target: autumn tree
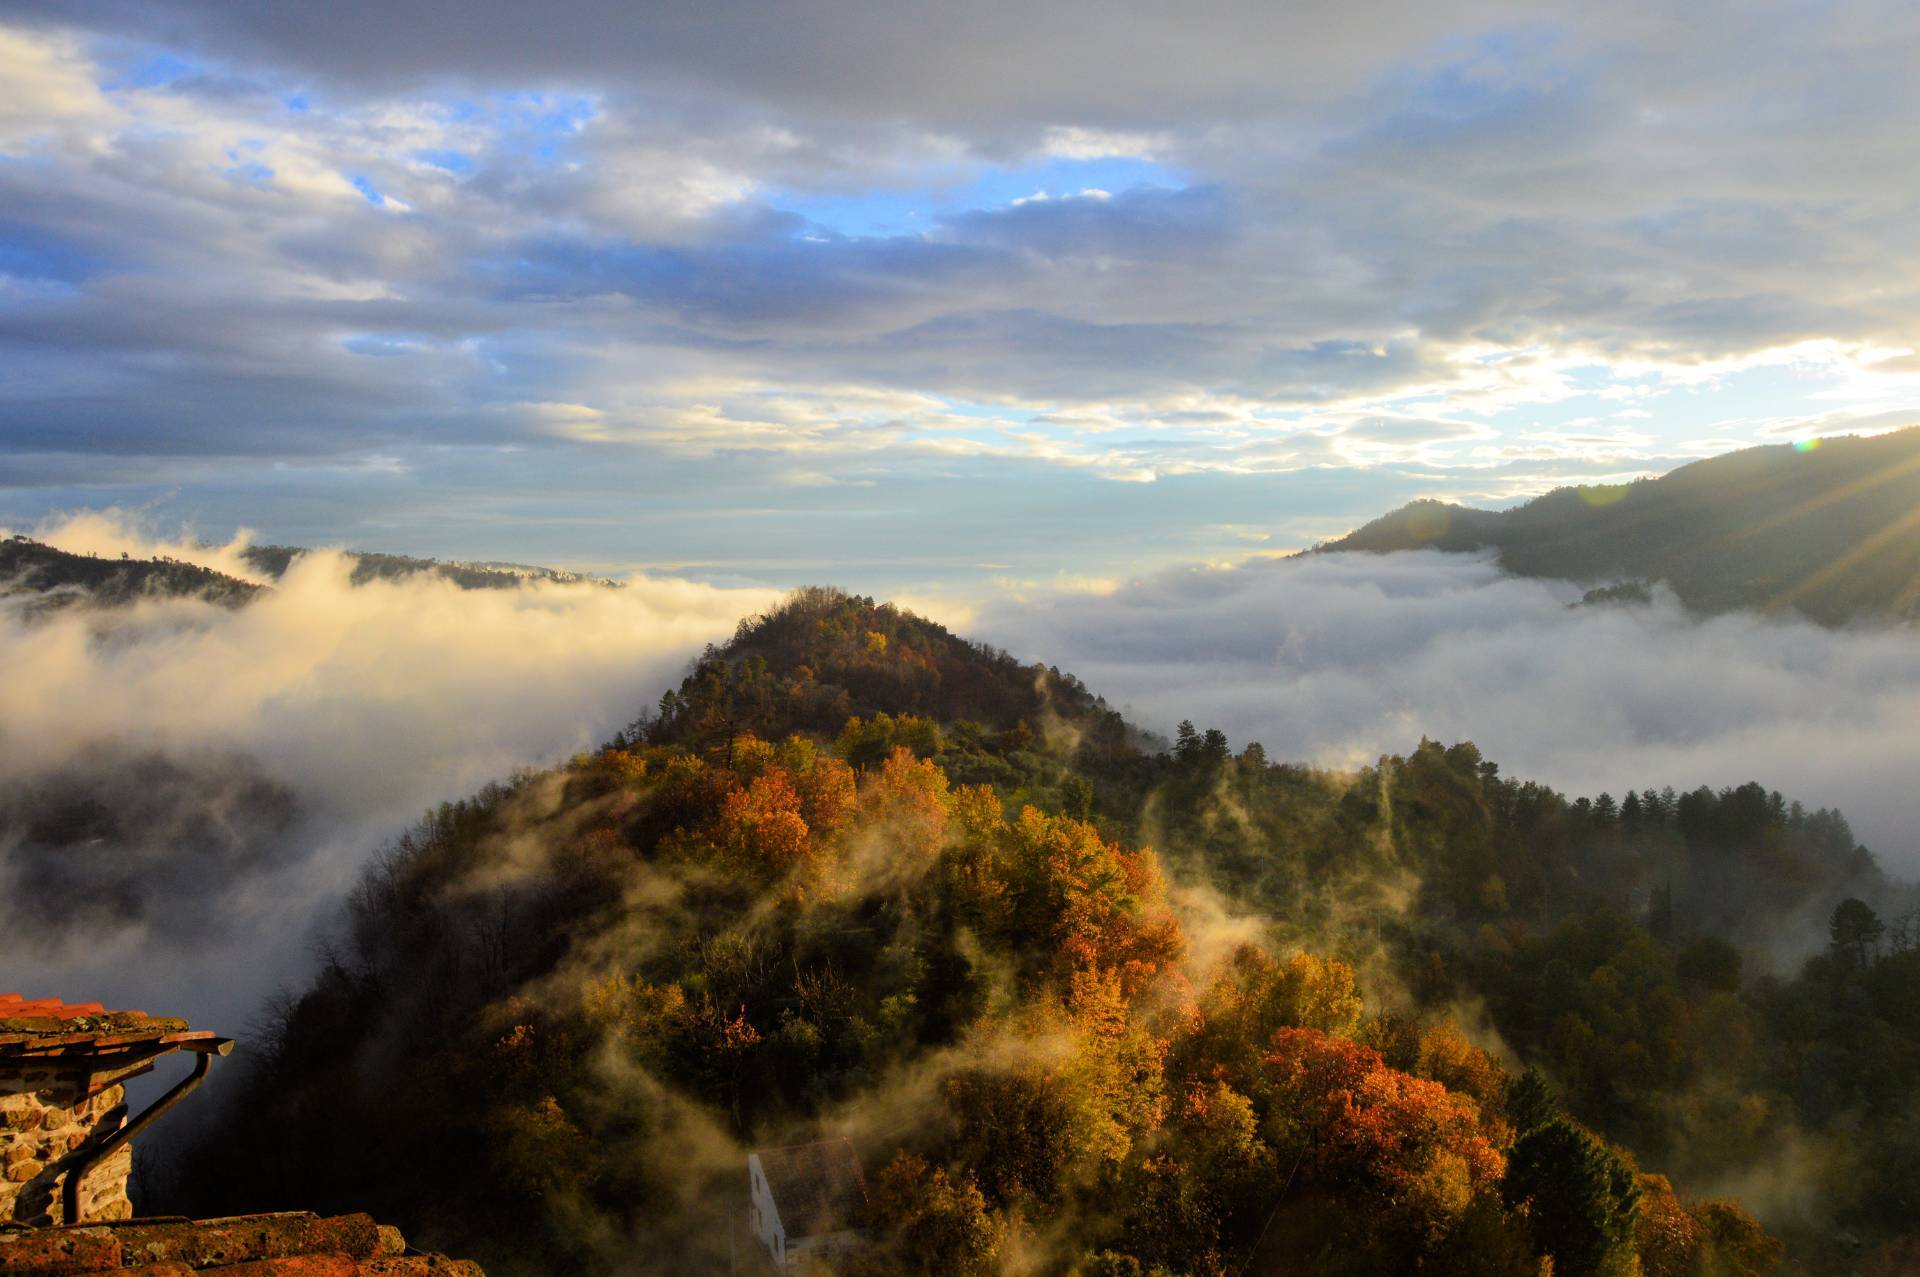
{"x":927,"y":1221}
{"x":1397,"y":1144}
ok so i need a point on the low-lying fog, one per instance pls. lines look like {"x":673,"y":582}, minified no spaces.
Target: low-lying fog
{"x":1339,"y":658}
{"x":186,"y":790}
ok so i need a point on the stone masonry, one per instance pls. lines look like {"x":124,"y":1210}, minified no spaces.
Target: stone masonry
{"x":39,"y":1130}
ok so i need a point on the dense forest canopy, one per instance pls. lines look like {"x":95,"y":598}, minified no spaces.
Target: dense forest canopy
{"x":1092,"y":1003}
{"x":1826,"y":530}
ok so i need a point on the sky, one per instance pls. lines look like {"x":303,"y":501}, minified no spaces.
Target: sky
{"x":931,"y":298}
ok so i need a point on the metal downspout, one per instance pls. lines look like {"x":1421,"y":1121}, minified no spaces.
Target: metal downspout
{"x":77,"y":1173}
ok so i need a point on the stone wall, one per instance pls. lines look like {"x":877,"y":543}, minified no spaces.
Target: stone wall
{"x":49,"y":1118}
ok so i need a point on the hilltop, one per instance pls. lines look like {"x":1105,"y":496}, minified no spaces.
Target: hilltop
{"x":825,"y":656}
{"x":1832,"y":531}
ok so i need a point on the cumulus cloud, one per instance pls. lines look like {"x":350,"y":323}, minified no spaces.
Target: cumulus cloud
{"x":268,"y":751}
{"x":1338,"y":659}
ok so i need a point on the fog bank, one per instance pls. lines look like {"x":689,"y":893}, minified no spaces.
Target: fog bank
{"x":1337,"y":659}
{"x":184,"y":788}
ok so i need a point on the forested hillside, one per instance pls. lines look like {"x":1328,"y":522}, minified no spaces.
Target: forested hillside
{"x":1089,"y":1005}
{"x":1832,"y":531}
{"x":274,"y":560}
{"x":50,"y":578}
{"x":44,"y":577}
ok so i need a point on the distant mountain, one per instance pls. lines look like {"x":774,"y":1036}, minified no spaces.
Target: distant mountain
{"x":1831,"y":530}
{"x":47,"y":578}
{"x":273,"y":560}
{"x":56,"y":578}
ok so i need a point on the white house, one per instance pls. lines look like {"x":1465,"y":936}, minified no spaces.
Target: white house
{"x":806,"y":1200}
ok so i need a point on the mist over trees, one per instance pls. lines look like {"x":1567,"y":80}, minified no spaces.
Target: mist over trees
{"x":44,"y":578}
{"x":857,"y":875}
{"x":118,"y":837}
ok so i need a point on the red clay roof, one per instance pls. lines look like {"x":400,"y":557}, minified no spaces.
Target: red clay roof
{"x":47,"y":1027}
{"x":14,"y":1004}
{"x":294,"y":1244}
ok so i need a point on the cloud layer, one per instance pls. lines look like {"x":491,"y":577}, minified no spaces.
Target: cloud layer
{"x":1338,"y":659}
{"x":361,"y":264}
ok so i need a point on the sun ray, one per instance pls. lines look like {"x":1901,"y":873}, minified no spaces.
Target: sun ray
{"x":1847,"y":562}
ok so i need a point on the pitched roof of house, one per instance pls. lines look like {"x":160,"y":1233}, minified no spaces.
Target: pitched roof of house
{"x":817,"y":1188}
{"x":88,"y":1037}
{"x":303,"y":1243}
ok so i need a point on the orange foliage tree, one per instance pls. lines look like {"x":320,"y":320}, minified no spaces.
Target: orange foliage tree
{"x":1406,"y":1146}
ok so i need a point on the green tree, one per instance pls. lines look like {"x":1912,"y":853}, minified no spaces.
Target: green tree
{"x":1855,"y":931}
{"x":1580,"y":1198}
{"x":1531,"y":1100}
{"x":1712,"y":962}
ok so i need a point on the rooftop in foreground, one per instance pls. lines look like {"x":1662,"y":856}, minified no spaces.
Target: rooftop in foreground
{"x":47,"y":1028}
{"x":292,"y":1244}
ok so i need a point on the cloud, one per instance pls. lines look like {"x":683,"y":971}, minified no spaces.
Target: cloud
{"x":244,"y":247}
{"x":48,"y":88}
{"x":269,"y":751}
{"x":1338,"y":659}
{"x":997,"y":64}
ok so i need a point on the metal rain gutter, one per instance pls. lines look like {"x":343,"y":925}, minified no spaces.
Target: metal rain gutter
{"x":76,"y":1174}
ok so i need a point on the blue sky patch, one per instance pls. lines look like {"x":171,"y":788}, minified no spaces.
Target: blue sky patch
{"x":456,"y":162}
{"x":917,"y":209}
{"x":155,"y":70}
{"x":27,"y":252}
{"x":382,"y":345}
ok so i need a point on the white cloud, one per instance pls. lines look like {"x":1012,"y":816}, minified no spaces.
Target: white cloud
{"x":49,"y":87}
{"x":1071,"y":142}
{"x":1338,"y":659}
{"x":370,"y":703}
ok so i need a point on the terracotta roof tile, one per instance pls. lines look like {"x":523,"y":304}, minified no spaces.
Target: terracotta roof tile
{"x":14,"y":1004}
{"x":291,"y":1244}
{"x":46,"y":1027}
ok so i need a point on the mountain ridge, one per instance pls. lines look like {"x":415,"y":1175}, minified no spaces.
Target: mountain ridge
{"x":1830,"y":530}
{"x":49,"y":578}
